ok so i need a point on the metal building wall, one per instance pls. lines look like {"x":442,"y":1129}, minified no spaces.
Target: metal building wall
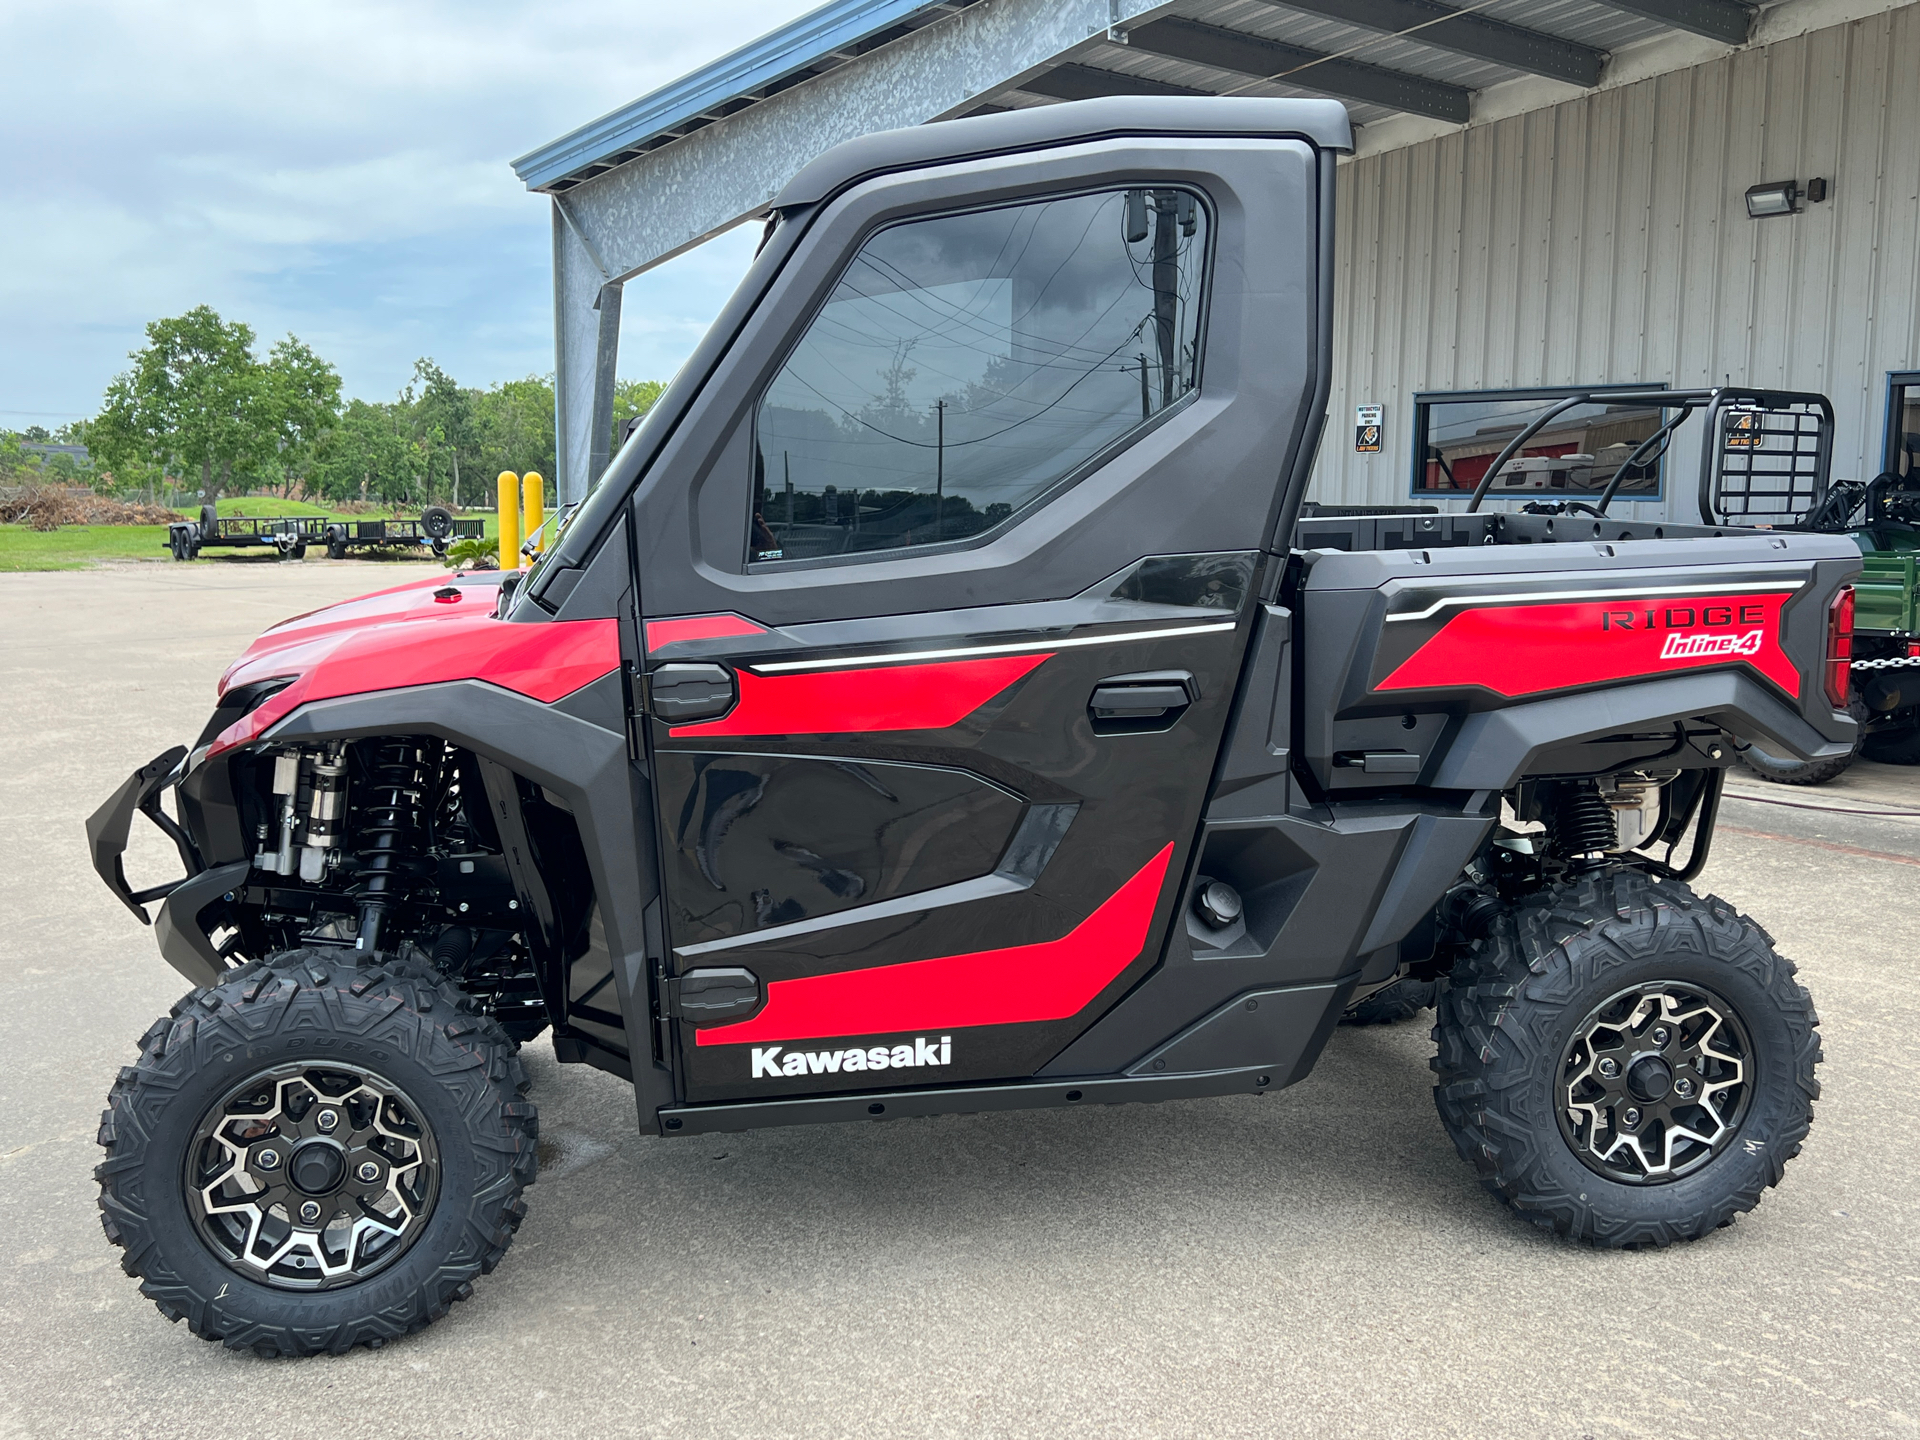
{"x":1607,"y":240}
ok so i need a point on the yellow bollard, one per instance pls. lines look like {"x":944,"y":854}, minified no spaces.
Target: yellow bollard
{"x":507,"y":489}
{"x":534,"y":509}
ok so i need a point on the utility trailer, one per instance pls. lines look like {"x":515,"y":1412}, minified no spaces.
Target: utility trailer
{"x":288,"y":534}
{"x":436,"y":529}
{"x":879,"y":741}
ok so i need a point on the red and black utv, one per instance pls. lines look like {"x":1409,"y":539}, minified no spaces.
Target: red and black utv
{"x":934,"y":709}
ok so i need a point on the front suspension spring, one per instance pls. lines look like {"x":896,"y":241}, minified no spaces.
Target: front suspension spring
{"x":389,"y":824}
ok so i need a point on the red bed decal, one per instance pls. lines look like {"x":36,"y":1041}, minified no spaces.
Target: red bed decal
{"x":699,"y":627}
{"x":862,"y":702}
{"x":1527,"y":649}
{"x":1023,"y":983}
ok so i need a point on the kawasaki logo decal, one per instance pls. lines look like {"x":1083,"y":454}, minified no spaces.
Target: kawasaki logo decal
{"x":775,"y":1061}
{"x":1689,"y":647}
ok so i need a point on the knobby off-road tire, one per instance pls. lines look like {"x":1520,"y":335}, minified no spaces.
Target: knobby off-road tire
{"x":1517,"y":1028}
{"x":405,"y":1037}
{"x":1894,"y":747}
{"x":1784,"y":770}
{"x":1402,"y":1000}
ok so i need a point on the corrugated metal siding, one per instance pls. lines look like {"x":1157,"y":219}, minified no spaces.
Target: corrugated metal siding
{"x":1607,"y":240}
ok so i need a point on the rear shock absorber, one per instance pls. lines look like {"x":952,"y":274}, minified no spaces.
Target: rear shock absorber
{"x":1582,"y":825}
{"x":389,"y":822}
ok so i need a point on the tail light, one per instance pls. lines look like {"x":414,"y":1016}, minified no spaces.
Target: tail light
{"x":1840,"y":647}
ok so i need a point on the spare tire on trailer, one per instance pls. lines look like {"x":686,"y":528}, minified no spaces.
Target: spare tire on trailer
{"x":209,"y":521}
{"x":437,"y":521}
{"x":336,"y":542}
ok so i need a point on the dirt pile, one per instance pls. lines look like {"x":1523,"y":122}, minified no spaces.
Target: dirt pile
{"x":48,"y":507}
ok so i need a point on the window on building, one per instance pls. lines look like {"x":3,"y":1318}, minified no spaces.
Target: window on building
{"x":1902,"y":446}
{"x":967,"y":364}
{"x":1458,"y":435}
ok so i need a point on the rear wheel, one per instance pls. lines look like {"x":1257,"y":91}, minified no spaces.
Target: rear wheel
{"x":1896,"y":746}
{"x":304,"y":1128}
{"x":1402,"y":1000}
{"x":1785,"y":770}
{"x":1625,"y":1062}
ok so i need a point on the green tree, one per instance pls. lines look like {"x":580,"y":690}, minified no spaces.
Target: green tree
{"x":197,"y":394}
{"x":301,"y":403}
{"x":444,"y":421}
{"x":516,"y":427}
{"x":367,"y":455}
{"x":631,"y":400}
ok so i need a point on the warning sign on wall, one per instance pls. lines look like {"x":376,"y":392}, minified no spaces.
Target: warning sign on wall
{"x":1368,"y":422}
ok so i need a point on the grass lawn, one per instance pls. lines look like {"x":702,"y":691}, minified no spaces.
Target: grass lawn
{"x":75,"y":547}
{"x":261,"y":505}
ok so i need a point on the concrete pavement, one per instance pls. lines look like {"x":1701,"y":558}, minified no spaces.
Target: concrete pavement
{"x":1315,"y":1263}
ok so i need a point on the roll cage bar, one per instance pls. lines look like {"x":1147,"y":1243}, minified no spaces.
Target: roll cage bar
{"x":1721,"y":404}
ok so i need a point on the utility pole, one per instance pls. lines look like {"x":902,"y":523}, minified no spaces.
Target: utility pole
{"x":1146,"y":397}
{"x":786,"y":467}
{"x":939,"y":467}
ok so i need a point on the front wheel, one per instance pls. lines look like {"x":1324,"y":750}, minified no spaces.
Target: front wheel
{"x":316,"y":1154}
{"x":1625,"y":1062}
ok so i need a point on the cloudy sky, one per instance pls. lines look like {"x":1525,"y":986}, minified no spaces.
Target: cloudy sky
{"x":327,"y":167}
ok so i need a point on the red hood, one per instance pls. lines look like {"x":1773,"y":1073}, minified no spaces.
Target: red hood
{"x":423,"y":633}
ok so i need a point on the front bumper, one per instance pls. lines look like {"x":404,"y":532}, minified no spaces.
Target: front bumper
{"x":109,"y":826}
{"x":182,"y":935}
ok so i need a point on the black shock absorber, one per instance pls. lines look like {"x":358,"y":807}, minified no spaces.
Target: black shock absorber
{"x":389,"y":823}
{"x":1582,"y":825}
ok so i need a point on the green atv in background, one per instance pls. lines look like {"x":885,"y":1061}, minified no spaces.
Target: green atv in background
{"x":1883,"y":518}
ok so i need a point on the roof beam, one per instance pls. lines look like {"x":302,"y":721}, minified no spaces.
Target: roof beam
{"x":1445,"y":28}
{"x":1727,"y":21}
{"x":1243,"y":54}
{"x":1084,"y":82}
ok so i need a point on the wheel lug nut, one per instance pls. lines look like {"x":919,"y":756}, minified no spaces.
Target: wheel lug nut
{"x":1631,"y":1118}
{"x":1661,"y":1035}
{"x":328,"y":1120}
{"x":310,"y":1212}
{"x":369,"y":1170}
{"x":1609,"y":1067}
{"x":268,"y":1160}
{"x":1683,"y":1086}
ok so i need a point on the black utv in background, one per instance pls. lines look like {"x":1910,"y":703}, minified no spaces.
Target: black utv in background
{"x":932,"y":710}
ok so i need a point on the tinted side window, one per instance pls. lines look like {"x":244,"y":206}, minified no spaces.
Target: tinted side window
{"x":965,"y":364}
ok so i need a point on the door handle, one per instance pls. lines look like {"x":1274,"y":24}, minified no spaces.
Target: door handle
{"x":1133,"y":704}
{"x":690,"y":692}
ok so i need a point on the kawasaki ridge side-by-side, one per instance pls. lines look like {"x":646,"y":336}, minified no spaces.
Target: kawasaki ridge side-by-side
{"x":934,"y":709}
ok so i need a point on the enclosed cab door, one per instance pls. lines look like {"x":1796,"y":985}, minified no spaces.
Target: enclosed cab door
{"x":948,"y":572}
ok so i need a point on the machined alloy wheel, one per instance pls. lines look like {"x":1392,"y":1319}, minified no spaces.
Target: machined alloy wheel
{"x":1656,"y":1083}
{"x":309,"y":1176}
{"x":1625,"y":1062}
{"x":321,"y":1151}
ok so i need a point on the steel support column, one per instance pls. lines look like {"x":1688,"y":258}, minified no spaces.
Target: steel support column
{"x":666,"y":202}
{"x":586,"y":311}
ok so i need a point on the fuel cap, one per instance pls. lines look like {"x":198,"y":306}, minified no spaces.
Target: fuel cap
{"x":1217,"y":902}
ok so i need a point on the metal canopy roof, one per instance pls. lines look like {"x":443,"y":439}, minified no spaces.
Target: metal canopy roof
{"x":1383,"y":57}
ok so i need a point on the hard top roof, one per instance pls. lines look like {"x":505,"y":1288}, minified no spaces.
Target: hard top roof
{"x":1322,"y":123}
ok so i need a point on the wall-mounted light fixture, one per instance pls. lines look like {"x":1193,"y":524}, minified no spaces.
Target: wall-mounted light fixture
{"x":1783,"y":197}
